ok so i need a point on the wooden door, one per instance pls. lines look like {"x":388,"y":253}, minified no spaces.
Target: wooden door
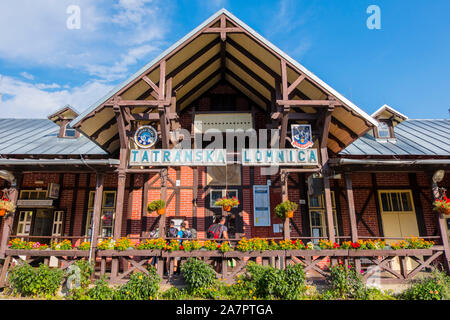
{"x":398,"y":217}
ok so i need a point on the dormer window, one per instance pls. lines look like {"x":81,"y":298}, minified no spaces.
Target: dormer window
{"x":62,"y":118}
{"x":69,"y":132}
{"x":384,"y":130}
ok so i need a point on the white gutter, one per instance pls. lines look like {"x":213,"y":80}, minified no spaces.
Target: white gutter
{"x":27,"y":162}
{"x":393,"y":162}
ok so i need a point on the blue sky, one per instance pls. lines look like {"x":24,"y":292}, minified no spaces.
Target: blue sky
{"x":44,"y":65}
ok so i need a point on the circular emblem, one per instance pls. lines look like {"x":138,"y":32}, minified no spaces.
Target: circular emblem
{"x":146,"y":137}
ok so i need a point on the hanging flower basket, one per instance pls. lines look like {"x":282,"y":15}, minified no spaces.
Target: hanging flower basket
{"x":442,"y":206}
{"x":6,"y":206}
{"x":286,"y":209}
{"x":227,"y":203}
{"x":157,"y":205}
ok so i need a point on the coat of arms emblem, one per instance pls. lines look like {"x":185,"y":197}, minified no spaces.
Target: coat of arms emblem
{"x":301,"y":136}
{"x":146,"y":137}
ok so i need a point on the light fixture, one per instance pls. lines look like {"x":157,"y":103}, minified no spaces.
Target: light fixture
{"x":438,"y":176}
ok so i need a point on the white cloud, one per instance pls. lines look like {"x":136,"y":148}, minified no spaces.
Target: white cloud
{"x":34,"y":33}
{"x":27,"y":100}
{"x":26,"y":75}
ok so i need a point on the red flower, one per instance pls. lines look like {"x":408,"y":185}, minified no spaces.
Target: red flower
{"x":181,"y":247}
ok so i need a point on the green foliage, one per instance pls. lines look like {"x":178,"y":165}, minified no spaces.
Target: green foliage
{"x":140,"y":286}
{"x":42,"y":281}
{"x":283,"y":208}
{"x":86,"y":270}
{"x":436,"y":287}
{"x":272,"y":283}
{"x":176,"y":294}
{"x":198,"y":276}
{"x":100,"y":291}
{"x":346,"y":282}
{"x":156,"y":205}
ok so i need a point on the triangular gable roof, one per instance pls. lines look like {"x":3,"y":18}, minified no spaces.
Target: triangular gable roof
{"x":344,"y":128}
{"x":388,"y":110}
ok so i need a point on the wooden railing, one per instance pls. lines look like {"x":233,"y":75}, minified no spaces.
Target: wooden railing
{"x":118,"y":265}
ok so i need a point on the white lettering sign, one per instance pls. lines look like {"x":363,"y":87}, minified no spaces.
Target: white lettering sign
{"x":178,"y":157}
{"x":280,"y":157}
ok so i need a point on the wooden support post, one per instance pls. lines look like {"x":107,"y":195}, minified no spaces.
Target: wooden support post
{"x":329,"y":208}
{"x":119,"y":205}
{"x":442,"y":227}
{"x":9,"y":219}
{"x":96,"y":215}
{"x":284,"y":197}
{"x":162,"y":221}
{"x":351,"y":206}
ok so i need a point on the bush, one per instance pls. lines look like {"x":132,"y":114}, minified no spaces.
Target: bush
{"x":42,"y":281}
{"x":86,"y":271}
{"x":436,"y":287}
{"x":140,"y":286}
{"x":269,"y":282}
{"x":346,"y":282}
{"x":175,"y":294}
{"x":198,"y":276}
{"x":101,"y":291}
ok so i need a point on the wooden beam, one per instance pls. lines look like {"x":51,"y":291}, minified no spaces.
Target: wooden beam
{"x":342,"y":126}
{"x":119,"y":204}
{"x":152,"y":85}
{"x":309,"y":103}
{"x":351,"y":206}
{"x":249,"y":87}
{"x":138,"y":103}
{"x":96,"y":214}
{"x":223,"y":30}
{"x":285,"y":197}
{"x":197,"y":55}
{"x":199,"y":86}
{"x":9,"y":219}
{"x":250,"y":72}
{"x":295,"y":84}
{"x":197,"y":71}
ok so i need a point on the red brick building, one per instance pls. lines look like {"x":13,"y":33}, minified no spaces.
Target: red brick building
{"x":373,"y":175}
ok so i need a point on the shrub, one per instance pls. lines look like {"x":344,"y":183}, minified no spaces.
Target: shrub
{"x":346,"y":282}
{"x":269,"y":282}
{"x":198,"y":276}
{"x":42,"y":281}
{"x":101,"y":291}
{"x":436,"y":287}
{"x":175,"y":294}
{"x":86,"y":271}
{"x":140,"y":286}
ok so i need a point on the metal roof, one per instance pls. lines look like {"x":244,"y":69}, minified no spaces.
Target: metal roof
{"x":412,"y":138}
{"x":40,"y":137}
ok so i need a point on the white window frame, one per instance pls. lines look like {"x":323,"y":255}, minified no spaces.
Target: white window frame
{"x":322,"y":210}
{"x":58,"y":219}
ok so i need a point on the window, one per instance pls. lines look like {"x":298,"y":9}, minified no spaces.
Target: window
{"x":396,"y":201}
{"x":317,"y":214}
{"x":69,"y":132}
{"x":217,"y":194}
{"x":33,"y":195}
{"x":24,"y":223}
{"x":384,"y":130}
{"x":107,"y":214}
{"x":58,"y":219}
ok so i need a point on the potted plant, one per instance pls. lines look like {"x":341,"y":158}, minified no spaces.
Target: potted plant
{"x":442,"y":206}
{"x":6,"y":206}
{"x":157,"y":205}
{"x":286,"y":209}
{"x":227,"y":203}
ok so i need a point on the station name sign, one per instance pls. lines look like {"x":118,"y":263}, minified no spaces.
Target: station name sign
{"x":218,"y":157}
